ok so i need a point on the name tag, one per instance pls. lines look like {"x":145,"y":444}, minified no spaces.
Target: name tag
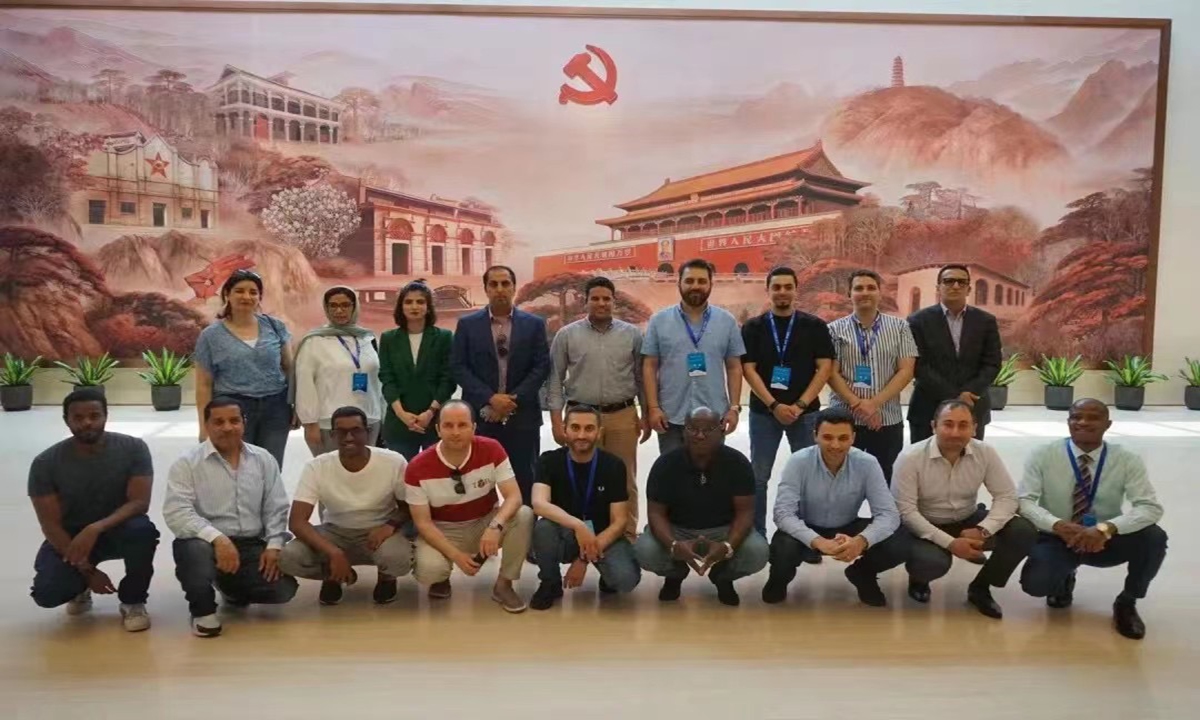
{"x":781,"y":377}
{"x":1088,"y":520}
{"x":697,"y":367}
{"x":862,"y":376}
{"x":358,"y":382}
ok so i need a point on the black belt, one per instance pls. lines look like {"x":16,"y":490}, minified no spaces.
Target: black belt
{"x":615,"y":407}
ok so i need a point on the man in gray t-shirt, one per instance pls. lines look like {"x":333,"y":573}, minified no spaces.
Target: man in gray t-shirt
{"x":91,"y":493}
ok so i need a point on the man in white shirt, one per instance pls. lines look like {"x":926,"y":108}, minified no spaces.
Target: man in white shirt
{"x":361,"y":493}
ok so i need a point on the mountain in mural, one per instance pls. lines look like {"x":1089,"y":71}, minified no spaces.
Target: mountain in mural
{"x":1133,"y":138}
{"x":73,"y":55}
{"x":785,"y":105}
{"x":1102,"y":101}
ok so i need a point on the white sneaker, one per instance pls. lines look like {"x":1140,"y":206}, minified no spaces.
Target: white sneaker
{"x":206,"y":626}
{"x":134,"y":617}
{"x":80,"y":604}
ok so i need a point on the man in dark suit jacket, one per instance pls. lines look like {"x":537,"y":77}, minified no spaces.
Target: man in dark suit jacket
{"x":960,"y":355}
{"x":501,"y":359}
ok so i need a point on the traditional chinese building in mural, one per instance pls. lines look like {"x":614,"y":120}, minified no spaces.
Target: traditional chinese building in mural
{"x":730,"y":217}
{"x":269,"y":109}
{"x":1001,"y":295}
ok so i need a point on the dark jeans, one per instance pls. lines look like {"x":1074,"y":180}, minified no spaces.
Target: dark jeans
{"x":765,"y":434}
{"x":922,"y":429}
{"x":554,"y":545}
{"x":883,"y":444}
{"x":787,"y":552}
{"x":412,"y":443}
{"x":196,"y":570}
{"x":1009,"y":547}
{"x":1051,"y":562}
{"x":55,"y":582}
{"x":268,"y":422}
{"x":523,"y":443}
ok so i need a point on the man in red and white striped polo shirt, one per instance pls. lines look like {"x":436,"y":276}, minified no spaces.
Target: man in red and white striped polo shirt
{"x":451,"y":491}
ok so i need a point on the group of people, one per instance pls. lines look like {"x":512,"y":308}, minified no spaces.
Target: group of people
{"x":410,"y":480}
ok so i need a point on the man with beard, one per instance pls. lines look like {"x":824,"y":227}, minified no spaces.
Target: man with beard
{"x":91,"y":493}
{"x":692,"y":358}
{"x":788,"y":359}
{"x":581,"y":498}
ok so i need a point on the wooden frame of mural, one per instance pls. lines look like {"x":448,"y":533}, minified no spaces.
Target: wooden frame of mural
{"x":1067,"y":150}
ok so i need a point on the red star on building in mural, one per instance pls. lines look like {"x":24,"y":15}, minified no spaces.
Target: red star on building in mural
{"x":158,"y":166}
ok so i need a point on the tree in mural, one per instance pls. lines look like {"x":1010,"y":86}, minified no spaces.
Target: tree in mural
{"x":40,"y":164}
{"x":110,"y":82}
{"x":256,"y":175}
{"x":125,"y":325}
{"x":313,"y":219}
{"x":360,"y":102}
{"x":565,"y":291}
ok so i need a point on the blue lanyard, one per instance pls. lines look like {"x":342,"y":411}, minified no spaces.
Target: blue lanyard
{"x":863,"y":346}
{"x":1095,"y":476}
{"x":703,"y":325}
{"x":356,"y":354}
{"x":587,"y":500}
{"x":780,"y":348}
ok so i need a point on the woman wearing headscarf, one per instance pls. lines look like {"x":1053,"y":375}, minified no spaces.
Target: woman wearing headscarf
{"x":337,"y":365}
{"x":245,"y":355}
{"x":415,"y":370}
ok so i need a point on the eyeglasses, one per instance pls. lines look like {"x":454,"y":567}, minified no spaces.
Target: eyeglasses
{"x":961,"y":282}
{"x":340,"y":306}
{"x":460,"y":487}
{"x":701,"y":430}
{"x":502,"y":345}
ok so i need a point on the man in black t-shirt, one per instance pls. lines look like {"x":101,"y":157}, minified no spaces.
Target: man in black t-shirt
{"x":580,"y":496}
{"x":789,"y":356}
{"x":701,"y":510}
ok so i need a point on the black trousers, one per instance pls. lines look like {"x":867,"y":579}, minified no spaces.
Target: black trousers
{"x":787,"y":552}
{"x":523,"y":444}
{"x":1009,"y":547}
{"x":1051,"y":562}
{"x":883,"y":444}
{"x":196,"y":570}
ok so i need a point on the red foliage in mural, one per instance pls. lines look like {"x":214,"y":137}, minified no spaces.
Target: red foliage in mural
{"x":128,"y":324}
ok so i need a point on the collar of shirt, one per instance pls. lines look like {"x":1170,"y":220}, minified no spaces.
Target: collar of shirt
{"x":950,"y":315}
{"x":447,"y":463}
{"x":843,"y":471}
{"x":853,"y":317}
{"x":935,"y":452}
{"x":1094,"y":455}
{"x":500,"y":318}
{"x":611,"y":324}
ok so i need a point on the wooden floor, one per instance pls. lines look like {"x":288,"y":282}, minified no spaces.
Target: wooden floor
{"x":819,"y":655}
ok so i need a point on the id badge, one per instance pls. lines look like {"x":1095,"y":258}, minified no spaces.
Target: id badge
{"x":696,"y":365}
{"x":358,"y":383}
{"x":1088,"y":520}
{"x":781,"y":377}
{"x":862,"y":376}
{"x":591,"y":528}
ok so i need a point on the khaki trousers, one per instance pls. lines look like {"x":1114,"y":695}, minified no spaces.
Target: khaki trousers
{"x":620,"y":437}
{"x":434,"y":567}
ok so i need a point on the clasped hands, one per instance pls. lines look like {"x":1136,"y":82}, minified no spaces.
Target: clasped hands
{"x":841,"y":547}
{"x":715,"y":551}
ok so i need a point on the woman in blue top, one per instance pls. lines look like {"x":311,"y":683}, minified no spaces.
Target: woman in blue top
{"x":245,"y":356}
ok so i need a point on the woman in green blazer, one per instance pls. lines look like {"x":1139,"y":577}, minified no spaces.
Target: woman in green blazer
{"x":414,"y":368}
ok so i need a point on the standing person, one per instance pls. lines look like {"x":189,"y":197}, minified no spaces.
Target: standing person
{"x":789,"y":356}
{"x":91,"y":493}
{"x":337,"y":365}
{"x":414,"y":365}
{"x":245,"y":356}
{"x":876,"y":355}
{"x":692,"y":358}
{"x":501,"y":359}
{"x":597,"y":362}
{"x":960,"y":355}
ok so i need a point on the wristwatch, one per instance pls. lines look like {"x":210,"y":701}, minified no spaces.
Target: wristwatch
{"x":728,"y":549}
{"x":774,"y":404}
{"x":1108,"y":529}
{"x":496,"y":525}
{"x":736,"y":408}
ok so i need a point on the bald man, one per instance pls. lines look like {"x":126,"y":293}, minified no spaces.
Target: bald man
{"x":1074,"y":491}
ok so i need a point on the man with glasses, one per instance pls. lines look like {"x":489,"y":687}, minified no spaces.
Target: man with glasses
{"x":501,"y":359}
{"x":452,"y":494}
{"x":960,"y":355}
{"x":700,"y":501}
{"x":361,"y":491}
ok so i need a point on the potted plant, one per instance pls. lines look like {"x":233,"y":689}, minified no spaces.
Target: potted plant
{"x":998,"y":392}
{"x":1191,"y":394}
{"x":1130,"y":378}
{"x":16,"y":382}
{"x":1059,"y":374}
{"x":167,"y":371}
{"x":90,"y":372}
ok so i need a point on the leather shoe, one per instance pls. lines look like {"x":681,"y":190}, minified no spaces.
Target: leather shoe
{"x":774,"y":591}
{"x":981,"y":598}
{"x":1127,"y":620}
{"x":1064,"y":599}
{"x":671,"y":589}
{"x":919,"y":591}
{"x":867,"y":585}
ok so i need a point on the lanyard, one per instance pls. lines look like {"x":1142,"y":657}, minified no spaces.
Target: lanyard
{"x":587,"y":501}
{"x":864,"y":346}
{"x":703,"y":325}
{"x":780,"y":347}
{"x":355,"y":354}
{"x":1095,"y":476}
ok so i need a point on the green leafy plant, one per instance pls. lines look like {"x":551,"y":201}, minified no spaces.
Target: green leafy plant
{"x":1132,"y":371}
{"x":166,"y":368}
{"x":1060,"y":371}
{"x":17,"y":371}
{"x":1191,"y":373}
{"x":89,"y":371}
{"x":1008,"y":371}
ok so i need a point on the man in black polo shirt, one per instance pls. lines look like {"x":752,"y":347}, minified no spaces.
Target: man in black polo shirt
{"x":789,"y":356}
{"x":701,"y":511}
{"x":581,"y":497}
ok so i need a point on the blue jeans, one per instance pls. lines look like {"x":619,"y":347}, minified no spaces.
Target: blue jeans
{"x":554,"y":545}
{"x":268,"y":422}
{"x":196,"y":570}
{"x":56,"y":582}
{"x":1051,"y":562}
{"x":765,"y":434}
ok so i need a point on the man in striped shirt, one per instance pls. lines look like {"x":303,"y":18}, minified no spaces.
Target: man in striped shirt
{"x":451,"y":491}
{"x":876,"y":357}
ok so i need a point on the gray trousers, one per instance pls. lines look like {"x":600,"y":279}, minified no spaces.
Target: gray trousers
{"x":554,"y":544}
{"x":394,"y":557}
{"x":748,"y":559}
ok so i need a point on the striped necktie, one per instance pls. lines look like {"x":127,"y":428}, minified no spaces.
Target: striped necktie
{"x":1083,"y":489}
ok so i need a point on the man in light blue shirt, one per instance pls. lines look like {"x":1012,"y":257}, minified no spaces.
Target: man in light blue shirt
{"x":228,"y":509}
{"x":1074,"y":492}
{"x":692,"y":358}
{"x":816,"y":511}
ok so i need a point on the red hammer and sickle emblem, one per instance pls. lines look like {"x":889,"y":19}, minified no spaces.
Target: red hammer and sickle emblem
{"x":602,"y":89}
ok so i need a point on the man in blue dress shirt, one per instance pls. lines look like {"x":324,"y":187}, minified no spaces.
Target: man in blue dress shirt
{"x":816,"y":511}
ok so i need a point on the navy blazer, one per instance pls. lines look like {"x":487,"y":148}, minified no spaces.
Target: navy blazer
{"x":942,"y":373}
{"x":476,"y":366}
